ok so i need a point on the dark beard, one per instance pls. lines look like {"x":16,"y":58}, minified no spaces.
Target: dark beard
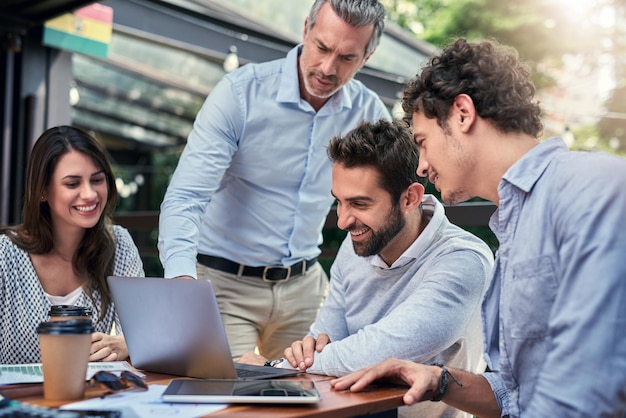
{"x":381,"y":238}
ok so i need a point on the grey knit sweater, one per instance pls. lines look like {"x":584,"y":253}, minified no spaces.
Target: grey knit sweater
{"x":425,"y":307}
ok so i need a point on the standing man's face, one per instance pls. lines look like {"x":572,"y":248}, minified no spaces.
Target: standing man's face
{"x":333,"y":52}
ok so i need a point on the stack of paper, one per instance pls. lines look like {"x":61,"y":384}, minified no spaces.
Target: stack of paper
{"x":11,"y":374}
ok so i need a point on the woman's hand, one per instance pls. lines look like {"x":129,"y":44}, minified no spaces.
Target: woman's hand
{"x":105,"y":347}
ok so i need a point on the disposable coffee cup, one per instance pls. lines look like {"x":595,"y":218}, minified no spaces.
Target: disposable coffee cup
{"x":67,"y":312}
{"x":65,"y":347}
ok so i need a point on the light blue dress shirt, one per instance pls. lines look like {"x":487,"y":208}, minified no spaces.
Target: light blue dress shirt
{"x":555,"y":313}
{"x":253,"y":182}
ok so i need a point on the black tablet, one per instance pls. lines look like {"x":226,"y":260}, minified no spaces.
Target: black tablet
{"x":241,"y":391}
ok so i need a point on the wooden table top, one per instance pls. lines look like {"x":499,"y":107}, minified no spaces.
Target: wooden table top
{"x":334,"y":403}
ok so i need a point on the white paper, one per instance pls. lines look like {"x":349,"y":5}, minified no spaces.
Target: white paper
{"x":136,"y":404}
{"x":11,"y":374}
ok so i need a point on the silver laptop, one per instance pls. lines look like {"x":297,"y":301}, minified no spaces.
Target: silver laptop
{"x":174,"y":326}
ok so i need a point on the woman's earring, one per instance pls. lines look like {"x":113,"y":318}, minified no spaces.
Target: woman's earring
{"x":43,"y":199}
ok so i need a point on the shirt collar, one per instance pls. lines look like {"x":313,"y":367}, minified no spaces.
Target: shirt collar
{"x":432,"y":210}
{"x":525,"y":172}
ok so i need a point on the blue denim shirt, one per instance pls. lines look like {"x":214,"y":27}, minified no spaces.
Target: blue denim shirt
{"x":253,"y":182}
{"x":554,"y":316}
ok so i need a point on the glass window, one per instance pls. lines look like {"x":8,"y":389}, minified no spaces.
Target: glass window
{"x":144,"y":91}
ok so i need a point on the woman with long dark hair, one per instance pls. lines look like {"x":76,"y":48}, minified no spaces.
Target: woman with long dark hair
{"x":65,"y":247}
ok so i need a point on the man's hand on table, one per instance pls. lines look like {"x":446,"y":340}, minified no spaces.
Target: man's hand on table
{"x":300,"y":354}
{"x":252,"y":358}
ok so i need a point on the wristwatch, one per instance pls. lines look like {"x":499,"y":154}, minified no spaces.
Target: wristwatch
{"x":274,"y":363}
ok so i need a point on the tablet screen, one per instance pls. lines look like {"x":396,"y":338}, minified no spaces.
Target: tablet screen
{"x":241,"y":391}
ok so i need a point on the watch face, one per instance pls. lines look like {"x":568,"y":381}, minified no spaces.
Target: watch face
{"x":276,"y":362}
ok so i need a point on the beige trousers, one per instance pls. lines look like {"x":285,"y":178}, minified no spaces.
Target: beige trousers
{"x":267,"y":316}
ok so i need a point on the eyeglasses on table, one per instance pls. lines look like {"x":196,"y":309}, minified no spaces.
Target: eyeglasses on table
{"x":126,"y":381}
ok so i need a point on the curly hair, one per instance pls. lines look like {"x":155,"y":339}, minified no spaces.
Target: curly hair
{"x":95,"y":255}
{"x":385,"y":145}
{"x":490,"y":73}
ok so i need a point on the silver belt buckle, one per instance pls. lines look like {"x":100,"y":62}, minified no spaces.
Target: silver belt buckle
{"x":268,"y":268}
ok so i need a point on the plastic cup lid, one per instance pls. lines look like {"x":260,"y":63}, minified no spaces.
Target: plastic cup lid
{"x":73,"y":326}
{"x":69,"y":310}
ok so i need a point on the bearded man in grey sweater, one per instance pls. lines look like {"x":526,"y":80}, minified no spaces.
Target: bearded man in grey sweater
{"x":406,"y":283}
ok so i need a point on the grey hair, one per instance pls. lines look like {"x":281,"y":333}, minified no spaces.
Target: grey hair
{"x":357,"y":13}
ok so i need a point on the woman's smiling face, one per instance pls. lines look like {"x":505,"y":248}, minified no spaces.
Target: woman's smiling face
{"x":77,"y":192}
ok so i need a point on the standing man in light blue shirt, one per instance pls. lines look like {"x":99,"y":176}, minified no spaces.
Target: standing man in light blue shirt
{"x":247,"y":202}
{"x":554,"y":316}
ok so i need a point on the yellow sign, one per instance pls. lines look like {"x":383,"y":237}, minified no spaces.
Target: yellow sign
{"x":87,"y":30}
